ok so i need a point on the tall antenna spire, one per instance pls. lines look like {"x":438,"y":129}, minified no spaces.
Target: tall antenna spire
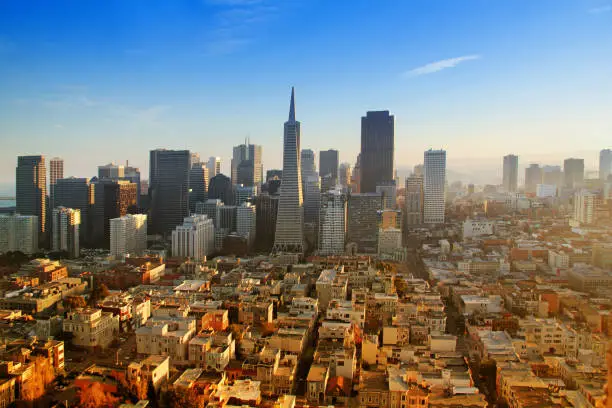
{"x":292,"y":106}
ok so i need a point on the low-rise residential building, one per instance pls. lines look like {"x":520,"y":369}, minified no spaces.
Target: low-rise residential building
{"x":91,"y":327}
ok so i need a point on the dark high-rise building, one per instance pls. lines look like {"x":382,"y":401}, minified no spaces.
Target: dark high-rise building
{"x":247,"y":167}
{"x":414,"y":200}
{"x":266,"y":208}
{"x":290,"y":220}
{"x":377,"y":149}
{"x":56,"y":171}
{"x":31,"y":189}
{"x":221,"y":188}
{"x":363,"y":218}
{"x":605,"y":164}
{"x":510,"y":176}
{"x":168,"y":188}
{"x":198,"y":185}
{"x":112,"y":199}
{"x":573,"y":170}
{"x":77,"y":193}
{"x":328,"y":169}
{"x":533,"y":176}
{"x":274,"y":173}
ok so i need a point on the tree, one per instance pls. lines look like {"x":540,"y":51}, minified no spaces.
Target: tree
{"x":182,"y":398}
{"x":74,"y":302}
{"x":400,"y":286}
{"x":95,"y":396}
{"x":98,"y":293}
{"x":42,"y":375}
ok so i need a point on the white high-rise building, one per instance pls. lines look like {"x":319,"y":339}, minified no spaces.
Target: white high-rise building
{"x":434,"y":186}
{"x":19,"y":233}
{"x":389,"y":240}
{"x":290,"y":219}
{"x":194,"y":239}
{"x":586,"y":204}
{"x":66,"y":227}
{"x":128,"y":234}
{"x":214,"y":166}
{"x":332,"y":230}
{"x":246,"y":222}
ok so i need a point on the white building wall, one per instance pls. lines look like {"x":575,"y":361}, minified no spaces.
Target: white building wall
{"x":128,"y":234}
{"x":19,"y":233}
{"x":332,"y":229}
{"x":246,"y":222}
{"x":434,"y":186}
{"x":195,"y":238}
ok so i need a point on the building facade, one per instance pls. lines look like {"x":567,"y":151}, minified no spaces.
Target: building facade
{"x":247,"y":167}
{"x":289,"y":235}
{"x":31,"y":190}
{"x":332,"y":230}
{"x":246,"y":222}
{"x":363,"y":219}
{"x":195,"y":238}
{"x":198,"y":185}
{"x":56,"y":172}
{"x":510,"y":173}
{"x":377,"y":150}
{"x":434,"y":187}
{"x":414,"y":200}
{"x":168,"y":188}
{"x":573,"y":170}
{"x":19,"y":233}
{"x":66,"y":230}
{"x":79,"y":194}
{"x":128,"y":235}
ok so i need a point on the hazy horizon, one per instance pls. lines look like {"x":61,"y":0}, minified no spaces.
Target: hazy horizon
{"x":96,"y":82}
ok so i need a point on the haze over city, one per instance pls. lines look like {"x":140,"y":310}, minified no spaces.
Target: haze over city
{"x":99,"y":81}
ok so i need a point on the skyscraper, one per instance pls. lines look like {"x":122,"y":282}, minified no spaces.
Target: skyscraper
{"x":311,"y":189}
{"x":195,"y":238}
{"x":534,"y":175}
{"x":112,"y":199}
{"x":332,"y":230}
{"x":247,"y":167}
{"x":111,"y":171}
{"x":266,"y":210}
{"x":290,"y":221}
{"x":31,"y":189}
{"x":414,"y":200}
{"x":220,"y":187}
{"x":434,"y":187}
{"x":605,"y":164}
{"x":573,"y":170}
{"x":510,"y":173}
{"x":77,"y":193}
{"x":246,"y":222}
{"x":214,"y":166}
{"x":66,"y":225}
{"x":128,"y":235}
{"x":307,"y":162}
{"x":363,"y":217}
{"x":19,"y":233}
{"x":552,"y":175}
{"x":328,"y":168}
{"x":377,"y":149}
{"x":344,"y":175}
{"x":132,"y":174}
{"x":56,"y":171}
{"x":198,"y":185}
{"x":169,"y":188}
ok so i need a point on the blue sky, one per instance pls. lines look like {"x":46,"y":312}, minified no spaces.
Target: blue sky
{"x":99,"y":81}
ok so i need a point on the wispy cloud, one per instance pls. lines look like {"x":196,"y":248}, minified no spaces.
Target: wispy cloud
{"x":237,"y":23}
{"x":58,"y":126}
{"x":601,"y":9}
{"x":440,"y":65}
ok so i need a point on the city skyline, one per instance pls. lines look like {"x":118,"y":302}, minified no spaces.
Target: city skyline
{"x":477,"y":90}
